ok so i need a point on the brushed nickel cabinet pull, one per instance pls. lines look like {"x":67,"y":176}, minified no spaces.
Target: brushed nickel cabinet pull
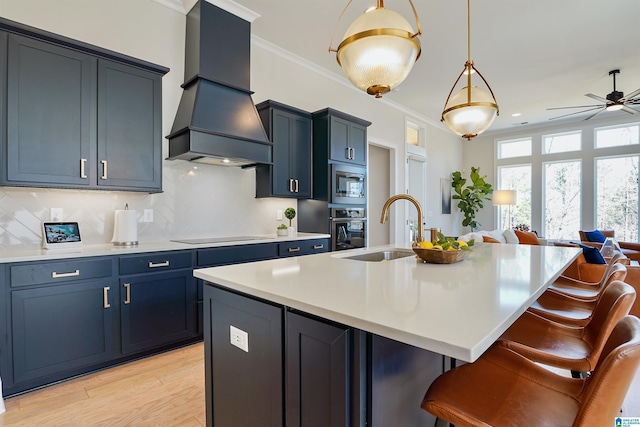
{"x":104,"y":169}
{"x":353,"y":153}
{"x":55,"y":275}
{"x":83,"y":173}
{"x":294,"y":249}
{"x":297,"y":186}
{"x":105,"y":297}
{"x":160,"y":264}
{"x":348,"y":154}
{"x":290,"y":185}
{"x":318,"y":246}
{"x":127,"y":299}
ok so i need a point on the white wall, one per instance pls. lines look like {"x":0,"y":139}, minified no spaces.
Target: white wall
{"x":209,"y":200}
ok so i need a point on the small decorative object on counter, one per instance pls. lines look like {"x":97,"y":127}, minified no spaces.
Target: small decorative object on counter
{"x":444,"y":250}
{"x":290,"y":213}
{"x":282,"y":230}
{"x":522,"y":227}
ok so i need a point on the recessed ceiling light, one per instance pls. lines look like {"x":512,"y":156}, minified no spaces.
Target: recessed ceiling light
{"x":516,"y":114}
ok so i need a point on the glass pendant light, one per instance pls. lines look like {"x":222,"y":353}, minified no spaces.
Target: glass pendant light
{"x":470,"y":111}
{"x":378,"y":49}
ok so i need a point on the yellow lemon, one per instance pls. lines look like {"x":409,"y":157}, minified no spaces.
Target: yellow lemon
{"x":437,"y":247}
{"x":426,"y":245}
{"x":462,"y":243}
{"x":451,"y":248}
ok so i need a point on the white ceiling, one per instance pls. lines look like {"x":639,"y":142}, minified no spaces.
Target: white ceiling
{"x":534,"y":54}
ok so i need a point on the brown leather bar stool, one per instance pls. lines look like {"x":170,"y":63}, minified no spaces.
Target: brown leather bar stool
{"x":574,"y":348}
{"x":587,"y":291}
{"x":567,"y":309}
{"x":504,"y":388}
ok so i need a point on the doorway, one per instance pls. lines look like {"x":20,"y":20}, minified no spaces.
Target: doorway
{"x":379,"y":177}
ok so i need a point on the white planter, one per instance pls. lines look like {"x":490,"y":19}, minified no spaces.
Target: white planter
{"x":282,"y":232}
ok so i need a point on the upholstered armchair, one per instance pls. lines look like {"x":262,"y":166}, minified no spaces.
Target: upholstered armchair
{"x":629,"y":249}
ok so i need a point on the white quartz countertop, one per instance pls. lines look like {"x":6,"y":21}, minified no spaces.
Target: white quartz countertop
{"x":457,"y":310}
{"x":19,"y":255}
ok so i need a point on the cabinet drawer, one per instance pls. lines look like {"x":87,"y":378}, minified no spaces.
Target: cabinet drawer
{"x":237,"y":254}
{"x":303,"y":247}
{"x":156,"y":261}
{"x":37,"y":273}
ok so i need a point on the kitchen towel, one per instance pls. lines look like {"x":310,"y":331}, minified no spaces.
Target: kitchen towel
{"x":125,"y":228}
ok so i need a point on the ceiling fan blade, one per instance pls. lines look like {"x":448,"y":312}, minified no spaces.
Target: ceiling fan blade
{"x":628,"y":110}
{"x":596,"y":97}
{"x":576,"y":106}
{"x":630,"y":96}
{"x":594,"y":114}
{"x":600,"y":107}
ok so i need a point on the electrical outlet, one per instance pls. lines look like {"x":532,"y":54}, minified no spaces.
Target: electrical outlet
{"x":55,"y":214}
{"x":239,"y":338}
{"x":279,"y":214}
{"x":148,"y":215}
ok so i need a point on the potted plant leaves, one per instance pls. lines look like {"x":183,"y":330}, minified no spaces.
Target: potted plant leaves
{"x":471,"y":197}
{"x":282,"y":230}
{"x":290,"y":213}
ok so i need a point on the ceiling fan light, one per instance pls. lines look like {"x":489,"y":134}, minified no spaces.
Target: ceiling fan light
{"x":615,"y":107}
{"x":378,"y":51}
{"x":469,"y":119}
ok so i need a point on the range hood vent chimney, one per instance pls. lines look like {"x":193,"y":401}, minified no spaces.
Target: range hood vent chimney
{"x":217,"y":121}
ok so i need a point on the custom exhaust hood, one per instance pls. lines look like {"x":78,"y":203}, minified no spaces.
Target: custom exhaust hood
{"x":217,"y":121}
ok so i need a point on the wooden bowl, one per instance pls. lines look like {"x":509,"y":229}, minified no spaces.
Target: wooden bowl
{"x":438,"y":256}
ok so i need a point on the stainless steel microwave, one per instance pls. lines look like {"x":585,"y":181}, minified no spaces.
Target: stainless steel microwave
{"x":348,"y":184}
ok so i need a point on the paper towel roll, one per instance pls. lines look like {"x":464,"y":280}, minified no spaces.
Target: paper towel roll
{"x":125,"y":228}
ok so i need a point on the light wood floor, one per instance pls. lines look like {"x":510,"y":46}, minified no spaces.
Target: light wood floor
{"x":163,"y":390}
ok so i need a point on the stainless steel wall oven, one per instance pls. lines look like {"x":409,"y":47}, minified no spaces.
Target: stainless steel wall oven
{"x":348,"y":228}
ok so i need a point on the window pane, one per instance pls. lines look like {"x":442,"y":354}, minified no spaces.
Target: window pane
{"x":561,"y":142}
{"x":514,"y":148}
{"x":617,"y":196}
{"x":615,"y":136}
{"x":515,"y":178}
{"x":562,"y":200}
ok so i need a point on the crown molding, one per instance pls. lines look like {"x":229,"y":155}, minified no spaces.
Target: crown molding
{"x":172,"y":4}
{"x":235,"y":8}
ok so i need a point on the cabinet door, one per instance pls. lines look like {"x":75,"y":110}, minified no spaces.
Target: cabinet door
{"x":339,"y":139}
{"x":62,"y":327}
{"x":300,"y":157}
{"x":282,"y":134}
{"x":243,"y":388}
{"x":51,"y":114}
{"x":358,"y":143}
{"x":318,"y":376}
{"x":157,"y":309}
{"x":129,"y":127}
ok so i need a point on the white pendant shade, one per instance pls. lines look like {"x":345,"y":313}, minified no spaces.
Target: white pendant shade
{"x":469,"y":119}
{"x":378,"y":51}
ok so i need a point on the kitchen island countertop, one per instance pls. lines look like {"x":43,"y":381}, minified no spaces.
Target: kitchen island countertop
{"x":457,"y":310}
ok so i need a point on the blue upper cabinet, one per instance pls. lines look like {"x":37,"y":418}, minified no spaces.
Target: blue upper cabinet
{"x":77,"y":116}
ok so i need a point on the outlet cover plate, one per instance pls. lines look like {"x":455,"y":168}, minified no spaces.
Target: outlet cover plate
{"x":239,"y":338}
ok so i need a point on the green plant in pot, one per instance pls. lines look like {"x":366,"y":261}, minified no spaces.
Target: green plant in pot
{"x":282,"y":230}
{"x":471,"y":197}
{"x":290,"y":213}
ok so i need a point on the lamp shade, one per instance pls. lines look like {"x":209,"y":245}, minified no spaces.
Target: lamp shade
{"x":504,"y":197}
{"x":378,"y":51}
{"x":469,"y":118}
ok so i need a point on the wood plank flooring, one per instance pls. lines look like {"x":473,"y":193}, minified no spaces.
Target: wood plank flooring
{"x":162,"y":390}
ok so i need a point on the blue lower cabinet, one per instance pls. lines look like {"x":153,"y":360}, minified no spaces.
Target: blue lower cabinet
{"x":157,"y":309}
{"x":57,"y":329}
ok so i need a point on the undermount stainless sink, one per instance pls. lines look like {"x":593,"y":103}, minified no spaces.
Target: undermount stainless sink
{"x":381,"y":255}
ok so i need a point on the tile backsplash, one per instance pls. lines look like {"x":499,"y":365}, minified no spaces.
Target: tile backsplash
{"x":198,"y":200}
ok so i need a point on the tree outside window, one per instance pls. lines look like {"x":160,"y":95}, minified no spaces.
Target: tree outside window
{"x":617,"y":196}
{"x":562,"y":193}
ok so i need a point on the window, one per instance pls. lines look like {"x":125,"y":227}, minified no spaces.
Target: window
{"x":515,"y":178}
{"x":613,"y":136}
{"x":562,"y":193}
{"x":514,"y":148}
{"x":561,"y":142}
{"x":617,"y":196}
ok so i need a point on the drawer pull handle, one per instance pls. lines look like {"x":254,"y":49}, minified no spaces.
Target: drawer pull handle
{"x":104,"y":169}
{"x":297,"y":186}
{"x":83,"y":173}
{"x":291,"y":186}
{"x":55,"y":275}
{"x":105,"y":297}
{"x":318,"y":246}
{"x":160,"y":264}
{"x":294,"y":249}
{"x":127,"y":286}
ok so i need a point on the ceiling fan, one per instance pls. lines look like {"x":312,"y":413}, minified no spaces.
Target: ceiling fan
{"x":613,"y":102}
